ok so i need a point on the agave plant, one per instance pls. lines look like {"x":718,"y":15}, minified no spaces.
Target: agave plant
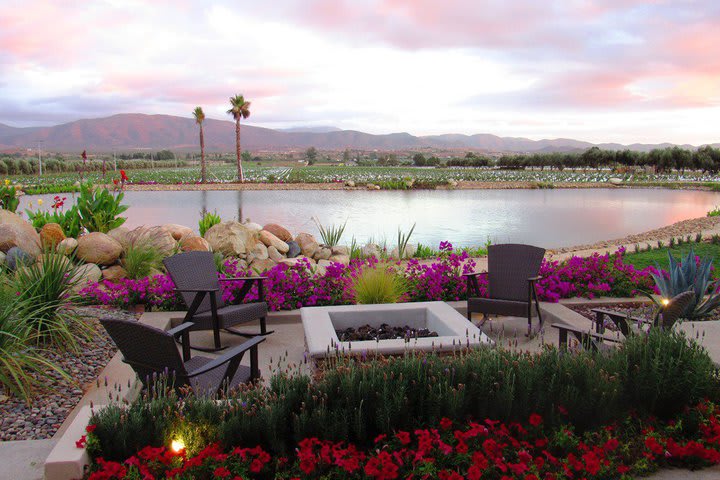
{"x":687,"y":274}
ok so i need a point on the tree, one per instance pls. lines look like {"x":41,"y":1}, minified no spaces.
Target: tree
{"x":199,"y":119}
{"x":419,"y":160}
{"x":311,"y":155}
{"x":239,"y":108}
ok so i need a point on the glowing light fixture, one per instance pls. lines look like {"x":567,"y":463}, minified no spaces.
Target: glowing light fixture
{"x":177,"y":445}
{"x":665,"y":302}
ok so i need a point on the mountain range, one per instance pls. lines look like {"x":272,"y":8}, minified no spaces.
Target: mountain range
{"x":134,"y":131}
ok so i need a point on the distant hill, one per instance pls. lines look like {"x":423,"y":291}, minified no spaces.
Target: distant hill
{"x":128,"y":132}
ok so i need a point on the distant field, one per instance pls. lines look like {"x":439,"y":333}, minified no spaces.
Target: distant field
{"x":360,"y":175}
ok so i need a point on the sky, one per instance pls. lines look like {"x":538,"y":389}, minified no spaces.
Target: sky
{"x":602,"y":71}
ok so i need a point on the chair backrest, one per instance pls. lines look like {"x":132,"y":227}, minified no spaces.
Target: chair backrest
{"x":194,"y":270}
{"x":148,"y":350}
{"x":509,"y":267}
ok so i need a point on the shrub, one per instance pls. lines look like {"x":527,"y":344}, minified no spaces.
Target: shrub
{"x":378,"y":285}
{"x":69,"y":220}
{"x":141,"y":259}
{"x":21,"y":366}
{"x":208,"y":220}
{"x":46,"y":292}
{"x":662,"y":372}
{"x":100,"y":209}
{"x":8,"y":197}
{"x":357,"y":399}
{"x":331,"y":235}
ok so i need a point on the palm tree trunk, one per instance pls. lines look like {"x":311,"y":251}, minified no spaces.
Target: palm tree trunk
{"x":240,"y":176}
{"x":202,"y":156}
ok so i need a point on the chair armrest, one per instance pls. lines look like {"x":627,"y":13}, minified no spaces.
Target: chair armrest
{"x":589,"y":333}
{"x":196,"y":290}
{"x":613,"y":315}
{"x":535,"y":278}
{"x":234,"y":353}
{"x":182,"y":328}
{"x":474,"y":274}
{"x":242,"y":278}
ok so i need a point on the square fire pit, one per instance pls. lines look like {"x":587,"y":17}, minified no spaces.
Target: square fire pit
{"x":453,"y":329}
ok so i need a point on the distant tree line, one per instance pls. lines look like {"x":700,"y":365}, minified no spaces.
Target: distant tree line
{"x":705,"y":159}
{"x":11,"y":165}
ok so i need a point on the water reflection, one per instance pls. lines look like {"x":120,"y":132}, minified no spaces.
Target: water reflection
{"x":550,"y":218}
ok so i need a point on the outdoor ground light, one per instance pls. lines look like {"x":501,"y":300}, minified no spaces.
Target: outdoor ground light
{"x":177,"y":445}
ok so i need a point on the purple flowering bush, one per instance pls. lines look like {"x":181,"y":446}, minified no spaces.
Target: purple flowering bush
{"x":293,"y":286}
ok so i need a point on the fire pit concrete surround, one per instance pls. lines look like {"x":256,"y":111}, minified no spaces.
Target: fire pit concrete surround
{"x":454,"y":330}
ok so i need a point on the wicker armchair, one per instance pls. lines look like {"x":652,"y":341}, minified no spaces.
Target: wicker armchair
{"x":196,"y":279}
{"x":512,"y":272}
{"x":152,"y":352}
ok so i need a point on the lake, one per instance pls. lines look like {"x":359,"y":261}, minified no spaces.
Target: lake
{"x":547,"y":218}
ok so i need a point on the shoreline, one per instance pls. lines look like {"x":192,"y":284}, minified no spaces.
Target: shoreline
{"x":461,"y":185}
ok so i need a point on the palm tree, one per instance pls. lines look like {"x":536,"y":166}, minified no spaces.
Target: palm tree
{"x":239,"y":109}
{"x":199,"y":119}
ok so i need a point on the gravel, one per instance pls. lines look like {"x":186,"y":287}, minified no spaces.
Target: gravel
{"x":48,"y":410}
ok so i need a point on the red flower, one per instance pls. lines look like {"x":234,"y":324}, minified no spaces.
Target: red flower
{"x":535,"y":420}
{"x":611,"y":445}
{"x":90,"y":428}
{"x":623,"y":469}
{"x":445,"y":423}
{"x":562,"y":410}
{"x":123,"y":176}
{"x":222,"y":472}
{"x":404,"y":437}
{"x":81,"y":443}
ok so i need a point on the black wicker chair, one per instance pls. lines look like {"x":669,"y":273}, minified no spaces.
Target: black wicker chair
{"x":196,"y":279}
{"x":512,"y":272}
{"x":152,"y":352}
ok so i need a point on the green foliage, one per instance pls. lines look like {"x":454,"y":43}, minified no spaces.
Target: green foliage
{"x":379,"y":285}
{"x":8,"y":197}
{"x":714,"y":212}
{"x":100,"y":209}
{"x":69,"y":220}
{"x":142,"y":258}
{"x":654,"y":256}
{"x":331,"y":235}
{"x":355,"y":399}
{"x":663,"y":371}
{"x":207,"y":220}
{"x":424,"y":251}
{"x":403,"y":239}
{"x":688,"y":274}
{"x":21,"y":366}
{"x":46,"y":292}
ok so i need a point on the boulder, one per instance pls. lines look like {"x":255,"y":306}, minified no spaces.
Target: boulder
{"x":194,"y":244}
{"x":340,"y":250}
{"x":324,"y":263}
{"x":615,"y":181}
{"x":67,"y":246}
{"x":371,"y":250}
{"x":293,"y":249}
{"x":51,"y":234}
{"x":122,"y":235}
{"x":270,"y":240}
{"x":114,"y":273}
{"x":259,"y":252}
{"x":99,"y":248}
{"x":308,"y":244}
{"x":178,"y":231}
{"x":16,"y":232}
{"x":279,"y":231}
{"x":262,"y":266}
{"x":3,"y":258}
{"x":88,"y":272}
{"x":344,"y":259}
{"x":274,"y":254}
{"x":17,"y":257}
{"x":350,"y":184}
{"x":293,"y":261}
{"x":157,"y":237}
{"x":324,"y":253}
{"x":253,"y":226}
{"x":231,"y":238}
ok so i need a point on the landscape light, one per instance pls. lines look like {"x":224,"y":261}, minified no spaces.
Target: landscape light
{"x":665,"y":302}
{"x":177,"y":445}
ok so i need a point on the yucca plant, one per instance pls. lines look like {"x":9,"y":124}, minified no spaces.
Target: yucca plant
{"x":46,"y":291}
{"x":403,"y":240}
{"x":687,"y":274}
{"x":379,"y":285}
{"x":331,"y":235}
